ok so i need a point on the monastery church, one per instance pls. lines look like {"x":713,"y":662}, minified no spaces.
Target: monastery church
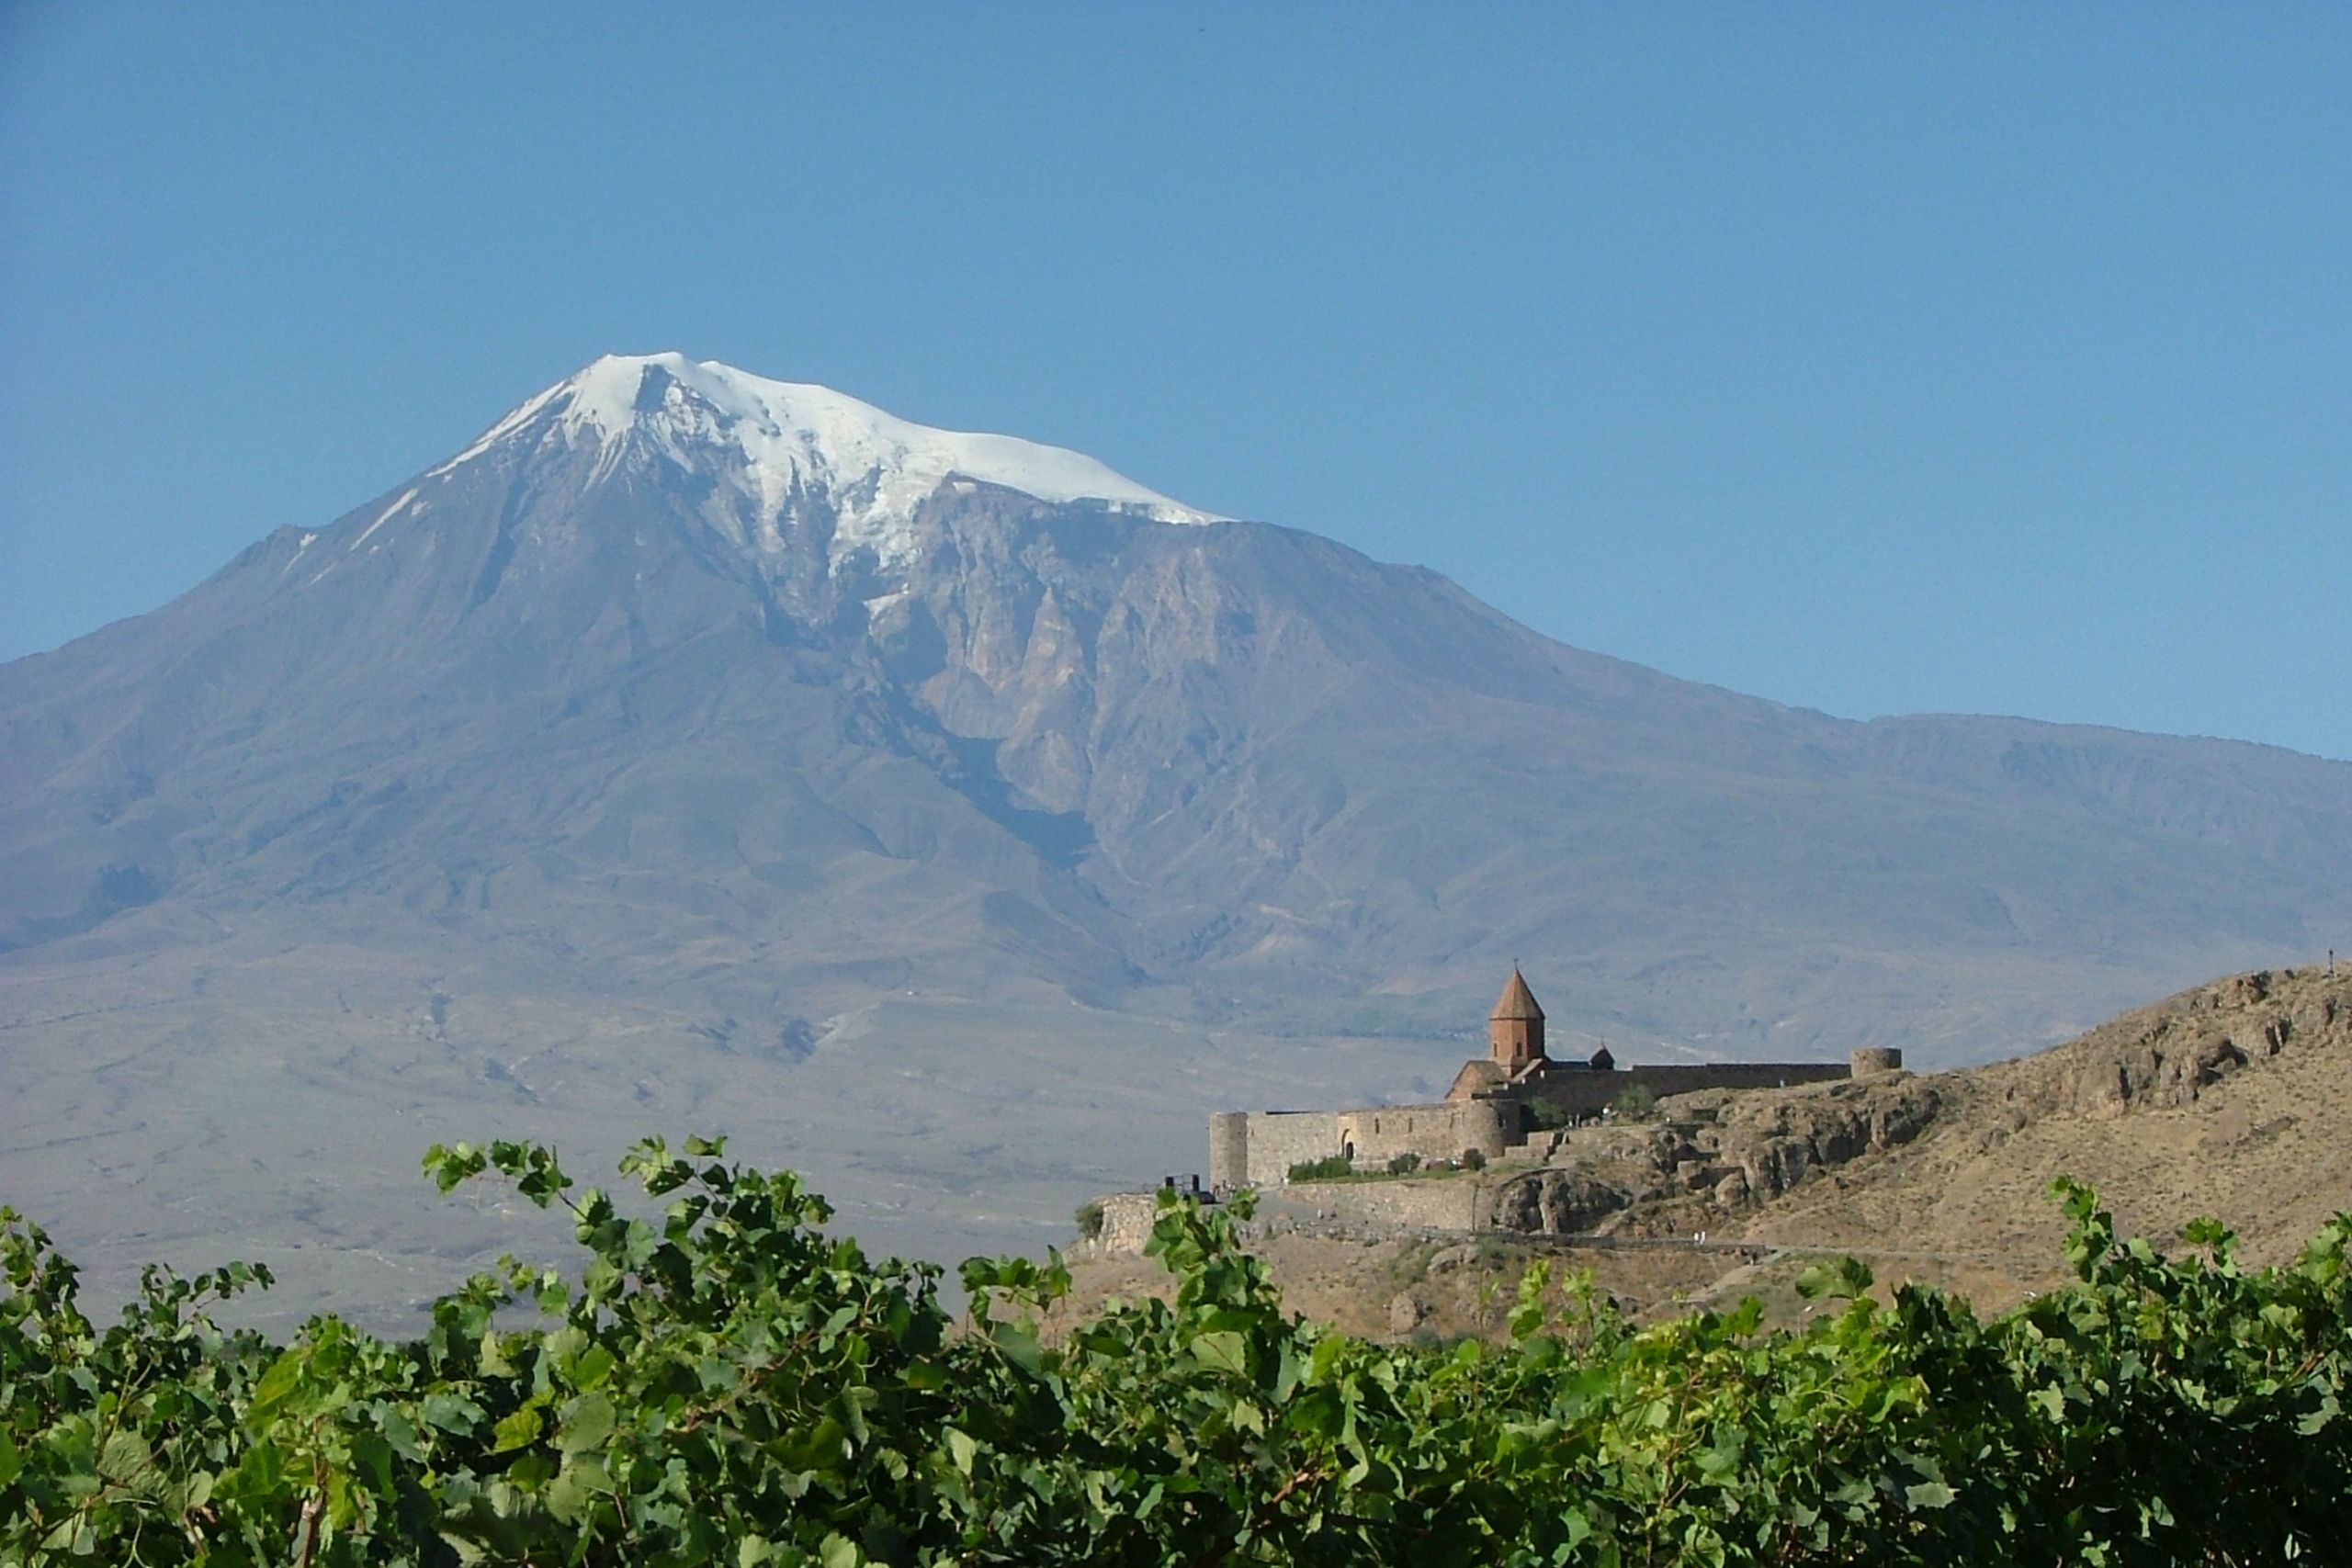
{"x":1494,"y":1102}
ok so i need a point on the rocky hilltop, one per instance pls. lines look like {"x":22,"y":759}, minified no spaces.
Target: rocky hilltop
{"x":1713,"y":1154}
{"x":2204,"y":1103}
{"x":2232,"y":1100}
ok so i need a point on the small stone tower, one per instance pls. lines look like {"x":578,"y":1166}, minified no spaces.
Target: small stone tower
{"x":1515,"y":1029}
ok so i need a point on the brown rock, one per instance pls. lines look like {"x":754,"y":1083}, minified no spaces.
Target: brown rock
{"x":1557,"y":1203}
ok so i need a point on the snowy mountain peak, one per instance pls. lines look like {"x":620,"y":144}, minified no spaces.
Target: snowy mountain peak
{"x":785,"y":445}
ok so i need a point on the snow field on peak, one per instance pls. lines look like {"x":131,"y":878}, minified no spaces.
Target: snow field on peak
{"x":797,"y":439}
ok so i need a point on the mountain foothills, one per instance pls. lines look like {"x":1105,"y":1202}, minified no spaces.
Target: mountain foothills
{"x":957,"y":816}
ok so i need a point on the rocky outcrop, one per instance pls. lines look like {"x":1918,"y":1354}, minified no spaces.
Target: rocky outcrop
{"x":1717,"y":1149}
{"x":1772,"y":1142}
{"x":1569,"y":1201}
{"x":2169,"y":1054}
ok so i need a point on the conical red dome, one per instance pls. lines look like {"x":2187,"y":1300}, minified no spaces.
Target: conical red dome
{"x":1517,"y":1002}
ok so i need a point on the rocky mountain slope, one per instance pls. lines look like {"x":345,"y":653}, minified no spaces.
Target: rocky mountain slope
{"x":934,"y":808}
{"x":672,"y":658}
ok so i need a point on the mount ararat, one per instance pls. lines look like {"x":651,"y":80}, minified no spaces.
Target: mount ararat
{"x":959,"y":819}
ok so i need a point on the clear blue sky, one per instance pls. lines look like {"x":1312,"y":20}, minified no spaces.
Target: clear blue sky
{"x":1875,"y":358}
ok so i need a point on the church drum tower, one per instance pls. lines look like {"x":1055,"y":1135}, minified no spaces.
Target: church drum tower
{"x":1515,"y":1029}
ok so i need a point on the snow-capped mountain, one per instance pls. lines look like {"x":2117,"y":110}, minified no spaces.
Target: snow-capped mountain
{"x":783,"y":456}
{"x":696,"y":750}
{"x":1200,"y":753}
{"x":1133,"y":744}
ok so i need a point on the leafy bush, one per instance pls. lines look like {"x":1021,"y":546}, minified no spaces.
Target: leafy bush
{"x":727,"y":1384}
{"x":1637,"y":1104}
{"x":1090,"y":1220}
{"x":1473,"y":1160}
{"x":1545,"y":1116}
{"x":1330,"y":1167}
{"x":1404,"y":1164}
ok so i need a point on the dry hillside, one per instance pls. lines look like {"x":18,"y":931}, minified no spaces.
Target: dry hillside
{"x":2233,"y":1099}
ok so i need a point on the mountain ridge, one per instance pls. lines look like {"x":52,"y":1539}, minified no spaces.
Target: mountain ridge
{"x":1081,"y":681}
{"x":538,"y":736}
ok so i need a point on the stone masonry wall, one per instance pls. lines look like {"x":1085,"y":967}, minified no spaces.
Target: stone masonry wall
{"x":1584,"y":1092}
{"x":1372,"y":1137}
{"x":1274,"y":1141}
{"x":1258,"y":1148}
{"x":1229,"y":1150}
{"x":1446,"y":1205}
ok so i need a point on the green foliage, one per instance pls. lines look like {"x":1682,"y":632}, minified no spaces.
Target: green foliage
{"x":724,"y":1383}
{"x":1637,"y":1104}
{"x":1339,"y":1168}
{"x":1090,"y":1220}
{"x":1545,"y":1115}
{"x":1473,"y":1160}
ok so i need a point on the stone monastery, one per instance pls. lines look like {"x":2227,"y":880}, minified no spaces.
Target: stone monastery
{"x":1495,"y":1102}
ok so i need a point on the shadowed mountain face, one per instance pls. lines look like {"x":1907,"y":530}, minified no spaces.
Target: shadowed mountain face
{"x":750,"y":699}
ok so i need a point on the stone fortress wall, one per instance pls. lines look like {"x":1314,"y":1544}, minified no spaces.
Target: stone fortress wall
{"x":1372,"y":1137}
{"x":1496,"y":1101}
{"x":1257,"y":1148}
{"x":1457,"y":1203}
{"x":1593,"y":1090}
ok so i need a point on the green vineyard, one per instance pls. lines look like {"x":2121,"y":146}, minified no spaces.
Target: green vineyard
{"x":726,"y":1384}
